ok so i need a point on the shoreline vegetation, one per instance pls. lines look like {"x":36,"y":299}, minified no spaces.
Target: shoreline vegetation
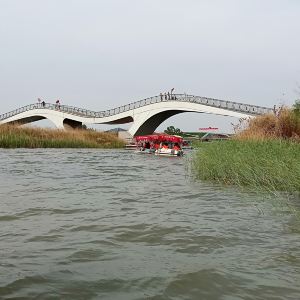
{"x":12,"y":136}
{"x":264,"y":154}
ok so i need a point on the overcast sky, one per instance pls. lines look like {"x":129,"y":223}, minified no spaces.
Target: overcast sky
{"x":99,"y":54}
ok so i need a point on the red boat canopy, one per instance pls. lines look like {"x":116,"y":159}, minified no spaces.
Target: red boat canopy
{"x":159,"y":138}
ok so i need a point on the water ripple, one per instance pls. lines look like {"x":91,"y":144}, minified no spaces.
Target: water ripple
{"x":102,"y":224}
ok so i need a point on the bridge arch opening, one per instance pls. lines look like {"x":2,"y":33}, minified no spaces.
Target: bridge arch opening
{"x":149,"y":126}
{"x":71,"y":124}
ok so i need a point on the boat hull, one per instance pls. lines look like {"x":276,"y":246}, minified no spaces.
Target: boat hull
{"x":168,"y":152}
{"x":162,"y":152}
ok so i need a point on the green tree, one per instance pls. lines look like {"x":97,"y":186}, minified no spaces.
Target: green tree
{"x":173,"y":131}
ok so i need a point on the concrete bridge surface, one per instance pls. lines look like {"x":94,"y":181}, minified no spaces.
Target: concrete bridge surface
{"x":145,"y":115}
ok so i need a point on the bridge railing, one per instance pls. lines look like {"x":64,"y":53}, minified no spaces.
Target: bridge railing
{"x":229,"y":105}
{"x":223,"y":104}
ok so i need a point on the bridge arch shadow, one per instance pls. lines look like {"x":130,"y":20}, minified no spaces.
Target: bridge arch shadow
{"x":150,"y":125}
{"x":28,"y":120}
{"x":125,"y":120}
{"x":71,"y":124}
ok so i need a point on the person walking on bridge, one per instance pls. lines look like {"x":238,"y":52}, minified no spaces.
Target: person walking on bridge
{"x":172,"y":94}
{"x":57,"y":104}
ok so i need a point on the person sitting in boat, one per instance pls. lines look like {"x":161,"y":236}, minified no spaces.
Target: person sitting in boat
{"x":176,"y":147}
{"x":156,"y":146}
{"x":165,"y":146}
{"x":142,"y":146}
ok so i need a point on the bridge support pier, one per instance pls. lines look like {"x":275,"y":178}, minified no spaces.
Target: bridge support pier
{"x":139,"y":120}
{"x":57,"y":121}
{"x":63,"y":123}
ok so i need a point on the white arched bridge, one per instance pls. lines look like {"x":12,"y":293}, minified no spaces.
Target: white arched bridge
{"x":146,"y":115}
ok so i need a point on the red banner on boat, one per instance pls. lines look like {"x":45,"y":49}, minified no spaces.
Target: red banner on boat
{"x":159,"y":138}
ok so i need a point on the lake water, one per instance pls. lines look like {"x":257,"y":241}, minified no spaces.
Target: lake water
{"x":102,"y":224}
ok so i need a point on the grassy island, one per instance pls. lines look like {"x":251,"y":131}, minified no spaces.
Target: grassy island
{"x":29,"y":137}
{"x":264,"y":154}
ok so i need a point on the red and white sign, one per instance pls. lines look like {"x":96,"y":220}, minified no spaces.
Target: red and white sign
{"x":208,"y":129}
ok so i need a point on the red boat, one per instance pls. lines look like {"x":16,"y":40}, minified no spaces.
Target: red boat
{"x":160,"y":144}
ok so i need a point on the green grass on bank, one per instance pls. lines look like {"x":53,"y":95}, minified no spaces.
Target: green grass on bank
{"x":269,"y":164}
{"x":27,"y":137}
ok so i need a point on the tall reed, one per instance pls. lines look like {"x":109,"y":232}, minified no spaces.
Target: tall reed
{"x":283,"y":124}
{"x":12,"y":136}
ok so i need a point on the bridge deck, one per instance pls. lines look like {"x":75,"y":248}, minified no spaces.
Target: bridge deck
{"x":227,"y":105}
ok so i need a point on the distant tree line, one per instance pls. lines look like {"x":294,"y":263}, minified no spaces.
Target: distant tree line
{"x":173,"y":131}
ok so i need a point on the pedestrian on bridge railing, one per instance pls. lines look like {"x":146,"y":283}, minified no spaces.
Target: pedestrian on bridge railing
{"x":168,"y":96}
{"x":171,"y":94}
{"x":43,"y":103}
{"x":57,"y":104}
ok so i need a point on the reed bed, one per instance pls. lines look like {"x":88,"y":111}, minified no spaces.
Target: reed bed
{"x":264,"y":154}
{"x":12,"y":136}
{"x":272,"y":165}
